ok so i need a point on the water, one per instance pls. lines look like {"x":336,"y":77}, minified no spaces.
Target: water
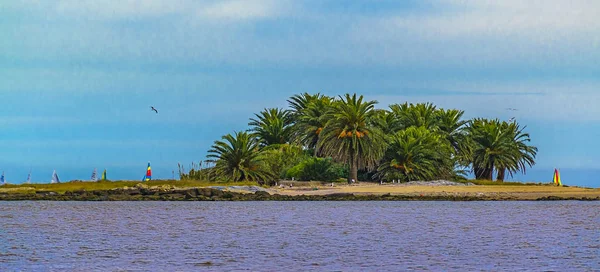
{"x":300,"y":236}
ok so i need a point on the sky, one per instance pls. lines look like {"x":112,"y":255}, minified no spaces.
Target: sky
{"x":77,"y":77}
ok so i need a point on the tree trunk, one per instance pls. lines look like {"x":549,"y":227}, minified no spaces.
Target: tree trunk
{"x":353,"y":170}
{"x":501,"y":174}
{"x":489,"y":174}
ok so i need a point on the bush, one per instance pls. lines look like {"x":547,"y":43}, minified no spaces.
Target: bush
{"x":317,"y":169}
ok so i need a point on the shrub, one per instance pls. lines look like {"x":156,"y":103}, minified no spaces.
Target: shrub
{"x":321,"y":169}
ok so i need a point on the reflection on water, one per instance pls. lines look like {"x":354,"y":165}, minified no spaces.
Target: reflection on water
{"x":290,"y":236}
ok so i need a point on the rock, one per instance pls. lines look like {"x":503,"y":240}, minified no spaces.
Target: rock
{"x":261,"y":193}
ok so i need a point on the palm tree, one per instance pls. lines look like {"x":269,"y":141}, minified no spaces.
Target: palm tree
{"x":490,"y":147}
{"x":524,"y":154}
{"x":348,"y":136}
{"x":387,"y":122}
{"x":417,"y":115}
{"x":311,"y":122}
{"x":416,"y":153}
{"x":238,"y":158}
{"x":299,"y":102}
{"x":499,"y":146}
{"x":453,"y":129}
{"x":271,"y":126}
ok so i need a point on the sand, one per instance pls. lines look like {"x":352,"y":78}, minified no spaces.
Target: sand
{"x":515,"y":192}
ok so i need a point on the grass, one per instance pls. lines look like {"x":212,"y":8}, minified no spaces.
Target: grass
{"x":107,"y":185}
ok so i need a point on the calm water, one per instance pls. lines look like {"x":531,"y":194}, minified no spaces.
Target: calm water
{"x":300,"y":236}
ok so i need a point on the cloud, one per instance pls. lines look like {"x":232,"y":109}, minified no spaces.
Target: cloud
{"x":121,"y":8}
{"x":559,"y":107}
{"x":243,"y":9}
{"x":486,"y":33}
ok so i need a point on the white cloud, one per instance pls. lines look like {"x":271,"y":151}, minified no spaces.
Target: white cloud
{"x":243,"y":9}
{"x":486,"y":33}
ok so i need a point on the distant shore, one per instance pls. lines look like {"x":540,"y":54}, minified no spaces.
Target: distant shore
{"x":190,"y":191}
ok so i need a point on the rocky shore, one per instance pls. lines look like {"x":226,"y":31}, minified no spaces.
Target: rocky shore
{"x":142,"y":192}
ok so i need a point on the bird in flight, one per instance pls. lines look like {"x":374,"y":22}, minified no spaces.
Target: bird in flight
{"x":152,"y":108}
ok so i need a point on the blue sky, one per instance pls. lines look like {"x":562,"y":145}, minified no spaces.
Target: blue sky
{"x":77,"y":77}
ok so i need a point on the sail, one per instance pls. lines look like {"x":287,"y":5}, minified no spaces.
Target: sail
{"x":148,"y":175}
{"x":28,"y":178}
{"x":55,"y":178}
{"x":95,"y":175}
{"x":2,"y":178}
{"x":556,"y":178}
{"x":104,"y":175}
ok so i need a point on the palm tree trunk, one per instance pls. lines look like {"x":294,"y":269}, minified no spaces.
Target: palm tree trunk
{"x":353,"y":170}
{"x":501,"y":174}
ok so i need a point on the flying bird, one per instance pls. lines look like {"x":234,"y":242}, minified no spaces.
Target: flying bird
{"x":152,"y":108}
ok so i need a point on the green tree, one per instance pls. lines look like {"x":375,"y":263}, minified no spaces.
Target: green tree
{"x":310,"y":122}
{"x":499,"y":146}
{"x":416,"y":115}
{"x":416,"y":154}
{"x":279,"y":158}
{"x":523,"y":153}
{"x":349,"y":137}
{"x":238,"y":158}
{"x":271,"y":126}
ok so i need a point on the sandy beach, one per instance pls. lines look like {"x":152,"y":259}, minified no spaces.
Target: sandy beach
{"x":500,"y":192}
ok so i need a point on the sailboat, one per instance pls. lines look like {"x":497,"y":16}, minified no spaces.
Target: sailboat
{"x":556,"y":178}
{"x":95,"y":175}
{"x":104,"y":175}
{"x":28,"y":181}
{"x":148,"y":175}
{"x":55,"y":178}
{"x":2,"y":179}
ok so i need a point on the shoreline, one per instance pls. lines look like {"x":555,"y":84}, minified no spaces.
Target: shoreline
{"x":361,"y":192}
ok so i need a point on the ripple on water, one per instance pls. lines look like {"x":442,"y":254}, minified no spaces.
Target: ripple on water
{"x":299,"y":236}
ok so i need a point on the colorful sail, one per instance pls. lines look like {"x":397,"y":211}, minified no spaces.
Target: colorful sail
{"x":2,"y":179}
{"x":55,"y":178}
{"x":95,"y":175}
{"x":148,"y":175}
{"x":104,"y":175}
{"x":556,"y":178}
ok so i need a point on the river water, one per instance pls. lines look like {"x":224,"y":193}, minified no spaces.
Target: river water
{"x":300,"y":236}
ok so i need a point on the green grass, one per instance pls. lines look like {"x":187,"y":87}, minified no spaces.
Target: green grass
{"x":107,"y":185}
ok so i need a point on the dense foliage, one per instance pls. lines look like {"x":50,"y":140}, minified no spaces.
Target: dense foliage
{"x":327,"y":138}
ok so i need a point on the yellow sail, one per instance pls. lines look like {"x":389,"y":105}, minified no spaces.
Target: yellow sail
{"x":556,"y":178}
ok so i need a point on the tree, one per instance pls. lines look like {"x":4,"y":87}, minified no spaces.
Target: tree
{"x":416,"y":154}
{"x":453,"y":129}
{"x":524,"y":154}
{"x":348,"y":136}
{"x":310,"y":122}
{"x":238,"y":158}
{"x":417,"y":115}
{"x":499,"y":146}
{"x":271,"y":126}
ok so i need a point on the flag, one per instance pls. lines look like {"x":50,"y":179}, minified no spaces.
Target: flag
{"x":104,"y":175}
{"x":148,"y":173}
